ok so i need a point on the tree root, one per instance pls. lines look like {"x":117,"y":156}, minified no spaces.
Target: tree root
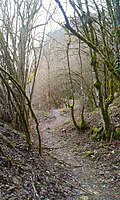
{"x":62,"y":161}
{"x":56,"y":158}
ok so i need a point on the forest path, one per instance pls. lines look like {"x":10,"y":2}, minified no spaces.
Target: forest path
{"x":96,"y":175}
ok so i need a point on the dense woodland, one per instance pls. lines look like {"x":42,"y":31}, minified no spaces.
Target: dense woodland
{"x":74,"y":67}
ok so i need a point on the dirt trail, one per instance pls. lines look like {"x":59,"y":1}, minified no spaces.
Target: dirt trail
{"x":72,"y":167}
{"x":96,"y":176}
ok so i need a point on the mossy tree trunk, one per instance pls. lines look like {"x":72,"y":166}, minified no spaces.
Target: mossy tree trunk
{"x":101,"y":32}
{"x":71,"y":104}
{"x":82,"y":123}
{"x":103,"y":103}
{"x":16,"y":105}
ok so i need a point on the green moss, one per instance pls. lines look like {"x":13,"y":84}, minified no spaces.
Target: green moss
{"x":110,"y":98}
{"x":97,"y":135}
{"x":89,"y":153}
{"x":93,"y":137}
{"x":97,"y":85}
{"x":116,"y":134}
{"x":96,"y":109}
{"x":101,"y":136}
{"x":95,"y":130}
{"x":82,"y":197}
{"x":64,"y":111}
{"x":94,"y":134}
{"x":83,"y":123}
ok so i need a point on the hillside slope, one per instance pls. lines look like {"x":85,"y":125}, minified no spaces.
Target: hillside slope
{"x":71,"y":167}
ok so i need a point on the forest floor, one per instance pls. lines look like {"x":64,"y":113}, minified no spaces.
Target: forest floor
{"x":72,"y":166}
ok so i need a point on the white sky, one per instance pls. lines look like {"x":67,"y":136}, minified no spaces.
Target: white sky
{"x":58,"y":15}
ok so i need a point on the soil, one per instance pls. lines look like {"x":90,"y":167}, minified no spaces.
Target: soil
{"x":72,"y":166}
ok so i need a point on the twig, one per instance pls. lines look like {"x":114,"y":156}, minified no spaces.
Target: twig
{"x":34,"y":188}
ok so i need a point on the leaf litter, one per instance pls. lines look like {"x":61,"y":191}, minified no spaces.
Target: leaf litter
{"x":72,"y":166}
